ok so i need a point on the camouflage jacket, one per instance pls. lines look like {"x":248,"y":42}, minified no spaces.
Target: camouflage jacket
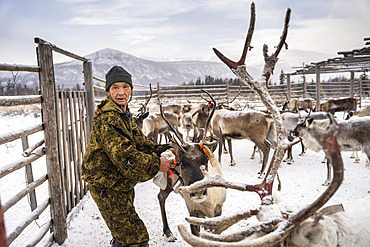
{"x":118,"y":155}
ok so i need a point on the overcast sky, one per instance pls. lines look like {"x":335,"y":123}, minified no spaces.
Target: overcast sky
{"x":180,"y":29}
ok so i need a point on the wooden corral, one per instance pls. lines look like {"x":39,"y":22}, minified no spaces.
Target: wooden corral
{"x":355,"y":61}
{"x":67,"y":120}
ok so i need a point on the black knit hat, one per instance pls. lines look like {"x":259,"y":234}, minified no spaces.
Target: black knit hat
{"x":117,"y":74}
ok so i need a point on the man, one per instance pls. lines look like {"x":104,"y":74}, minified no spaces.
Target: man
{"x":117,"y":157}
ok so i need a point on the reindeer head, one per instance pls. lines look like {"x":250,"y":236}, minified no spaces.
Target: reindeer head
{"x":192,"y":155}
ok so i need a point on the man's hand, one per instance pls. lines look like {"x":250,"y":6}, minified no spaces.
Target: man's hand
{"x":166,"y":165}
{"x":176,"y":157}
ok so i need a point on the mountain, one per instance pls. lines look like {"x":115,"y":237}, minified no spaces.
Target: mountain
{"x":144,"y":71}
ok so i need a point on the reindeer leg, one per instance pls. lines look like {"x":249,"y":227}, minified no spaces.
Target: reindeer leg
{"x":232,"y":161}
{"x":162,"y":196}
{"x":357,"y":160}
{"x":195,"y":137}
{"x":289,"y":157}
{"x":328,"y":177}
{"x":225,"y":149}
{"x":261,"y":157}
{"x":367,"y":151}
{"x":303,"y":150}
{"x":265,"y":151}
{"x":324,"y":160}
{"x":254,"y":153}
{"x":220,"y":149}
{"x":352,"y":155}
{"x":195,"y":229}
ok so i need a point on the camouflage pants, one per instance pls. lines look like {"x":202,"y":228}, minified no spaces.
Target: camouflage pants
{"x":118,"y":211}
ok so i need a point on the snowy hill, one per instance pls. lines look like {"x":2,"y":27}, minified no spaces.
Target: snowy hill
{"x":144,"y":71}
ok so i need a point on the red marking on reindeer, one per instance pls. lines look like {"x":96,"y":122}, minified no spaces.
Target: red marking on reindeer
{"x":171,"y":173}
{"x":171,"y":170}
{"x":203,"y":148}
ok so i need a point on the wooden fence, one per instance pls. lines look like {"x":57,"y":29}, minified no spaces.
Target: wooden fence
{"x":280,"y":93}
{"x":66,"y":130}
{"x":66,"y":124}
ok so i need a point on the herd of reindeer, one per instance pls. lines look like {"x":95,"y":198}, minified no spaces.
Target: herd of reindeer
{"x":213,"y":123}
{"x":203,"y":186}
{"x":235,"y":122}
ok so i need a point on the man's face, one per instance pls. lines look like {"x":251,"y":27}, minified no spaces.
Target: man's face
{"x":120,"y":93}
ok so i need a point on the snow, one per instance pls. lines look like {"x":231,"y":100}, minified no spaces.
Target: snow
{"x":301,"y":184}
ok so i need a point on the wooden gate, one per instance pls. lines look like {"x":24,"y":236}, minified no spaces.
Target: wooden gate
{"x":66,"y":123}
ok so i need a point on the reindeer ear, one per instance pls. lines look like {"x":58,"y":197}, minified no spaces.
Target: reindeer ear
{"x":179,"y":150}
{"x":309,"y":121}
{"x":211,"y":145}
{"x":145,"y":115}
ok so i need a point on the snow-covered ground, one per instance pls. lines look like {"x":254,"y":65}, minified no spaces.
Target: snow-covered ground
{"x":301,"y":184}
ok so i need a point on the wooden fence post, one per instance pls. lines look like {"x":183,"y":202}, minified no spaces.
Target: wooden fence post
{"x":3,"y":239}
{"x":227,"y":91}
{"x":289,"y":90}
{"x":318,"y":85}
{"x":352,"y":85}
{"x":29,"y":175}
{"x":360,"y":91}
{"x":304,"y":87}
{"x":89,"y":87}
{"x":158,"y":92}
{"x":49,"y":118}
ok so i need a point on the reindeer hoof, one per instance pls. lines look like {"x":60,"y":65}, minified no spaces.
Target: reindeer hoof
{"x":302,"y":154}
{"x":261,"y":176}
{"x":357,"y":161}
{"x":170,"y":238}
{"x":326,"y":183}
{"x":232,"y":164}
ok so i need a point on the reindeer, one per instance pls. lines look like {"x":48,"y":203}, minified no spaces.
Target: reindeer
{"x":283,"y":225}
{"x":334,"y":105}
{"x":174,"y":108}
{"x":252,"y":125}
{"x":296,"y":105}
{"x":353,"y":135}
{"x":199,"y":119}
{"x":193,"y":156}
{"x":154,"y":125}
{"x":290,"y":121}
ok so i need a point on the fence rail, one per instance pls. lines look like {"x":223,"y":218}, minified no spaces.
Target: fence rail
{"x":279,"y":93}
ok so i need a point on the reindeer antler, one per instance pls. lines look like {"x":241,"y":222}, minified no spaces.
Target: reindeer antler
{"x":142,"y":109}
{"x":230,"y":63}
{"x":270,"y":61}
